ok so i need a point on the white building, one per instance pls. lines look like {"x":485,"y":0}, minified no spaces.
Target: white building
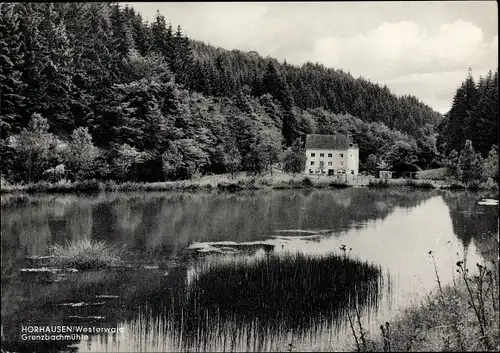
{"x":331,"y":155}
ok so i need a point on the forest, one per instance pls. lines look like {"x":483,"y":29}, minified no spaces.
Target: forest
{"x":93,"y":91}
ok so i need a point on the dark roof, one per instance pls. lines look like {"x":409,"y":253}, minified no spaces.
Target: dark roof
{"x":331,"y":142}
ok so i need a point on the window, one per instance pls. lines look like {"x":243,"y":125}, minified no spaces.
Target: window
{"x":312,"y":162}
{"x":330,"y":155}
{"x":311,"y":171}
{"x":313,"y":154}
{"x":341,"y":155}
{"x":352,"y":172}
{"x":329,"y":163}
{"x":321,"y":154}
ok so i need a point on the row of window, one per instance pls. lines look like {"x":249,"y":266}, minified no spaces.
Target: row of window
{"x":329,"y":163}
{"x":330,"y":155}
{"x":323,"y":172}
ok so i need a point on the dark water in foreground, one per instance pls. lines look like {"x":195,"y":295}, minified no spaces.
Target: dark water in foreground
{"x":220,"y":272}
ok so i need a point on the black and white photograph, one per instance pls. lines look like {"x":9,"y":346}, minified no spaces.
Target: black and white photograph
{"x":249,"y":176}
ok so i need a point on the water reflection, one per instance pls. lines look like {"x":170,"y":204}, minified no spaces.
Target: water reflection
{"x":248,"y":300}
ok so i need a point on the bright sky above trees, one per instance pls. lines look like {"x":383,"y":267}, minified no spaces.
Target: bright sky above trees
{"x":418,"y":48}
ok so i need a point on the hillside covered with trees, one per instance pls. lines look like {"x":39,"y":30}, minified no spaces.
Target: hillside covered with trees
{"x":90,"y":90}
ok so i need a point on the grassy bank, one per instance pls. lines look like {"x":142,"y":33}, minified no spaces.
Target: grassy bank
{"x":461,"y":317}
{"x":221,"y":183}
{"x":224,"y":182}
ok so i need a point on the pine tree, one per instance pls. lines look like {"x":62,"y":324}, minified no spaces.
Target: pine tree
{"x":31,"y":51}
{"x":484,"y":131}
{"x":470,"y":163}
{"x":460,"y":117}
{"x":11,"y":85}
{"x":272,"y":82}
{"x":453,"y":169}
{"x":56,"y":86}
{"x":141,"y":32}
{"x":161,"y":37}
{"x":181,"y":59}
{"x":123,"y":41}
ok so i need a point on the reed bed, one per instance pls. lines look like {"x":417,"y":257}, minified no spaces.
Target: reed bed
{"x":282,"y":293}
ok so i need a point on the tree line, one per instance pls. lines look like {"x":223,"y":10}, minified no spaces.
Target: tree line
{"x":91,"y":90}
{"x":473,"y":116}
{"x":468,"y":134}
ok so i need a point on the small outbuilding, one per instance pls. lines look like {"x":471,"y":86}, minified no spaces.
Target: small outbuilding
{"x":385,"y":174}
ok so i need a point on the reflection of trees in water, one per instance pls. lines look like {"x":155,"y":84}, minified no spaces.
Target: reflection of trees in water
{"x":473,"y":221}
{"x":163,"y":224}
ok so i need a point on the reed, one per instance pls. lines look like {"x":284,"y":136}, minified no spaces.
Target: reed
{"x":289,"y":291}
{"x":85,"y":254}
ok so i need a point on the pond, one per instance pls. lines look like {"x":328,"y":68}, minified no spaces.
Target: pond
{"x":251,"y":271}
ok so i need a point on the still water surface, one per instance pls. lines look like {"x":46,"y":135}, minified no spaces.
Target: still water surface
{"x":207,"y":274}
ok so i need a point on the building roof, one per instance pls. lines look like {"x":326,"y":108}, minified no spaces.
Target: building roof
{"x":331,"y":142}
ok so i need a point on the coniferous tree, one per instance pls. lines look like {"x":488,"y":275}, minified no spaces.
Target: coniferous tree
{"x":181,"y":59}
{"x":140,"y":31}
{"x":123,"y":40}
{"x":471,"y":164}
{"x":459,"y":118}
{"x":56,"y":87}
{"x":31,"y":51}
{"x":452,"y":166}
{"x":11,"y":85}
{"x":161,"y":37}
{"x":484,"y":131}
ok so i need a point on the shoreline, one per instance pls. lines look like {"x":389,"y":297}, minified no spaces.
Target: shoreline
{"x":226,"y":184}
{"x":456,"y":317}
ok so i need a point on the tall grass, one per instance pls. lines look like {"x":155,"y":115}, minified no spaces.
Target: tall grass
{"x":85,"y":254}
{"x":463,"y":316}
{"x":289,"y":291}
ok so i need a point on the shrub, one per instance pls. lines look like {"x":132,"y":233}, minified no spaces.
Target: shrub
{"x":307,"y":182}
{"x":230,"y":187}
{"x":88,"y":186}
{"x":489,"y":184}
{"x":456,"y":186}
{"x":378,"y":184}
{"x":419,"y":185}
{"x":85,"y":254}
{"x":338,"y":185}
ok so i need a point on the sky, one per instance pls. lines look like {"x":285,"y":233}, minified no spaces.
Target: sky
{"x":421,"y":48}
